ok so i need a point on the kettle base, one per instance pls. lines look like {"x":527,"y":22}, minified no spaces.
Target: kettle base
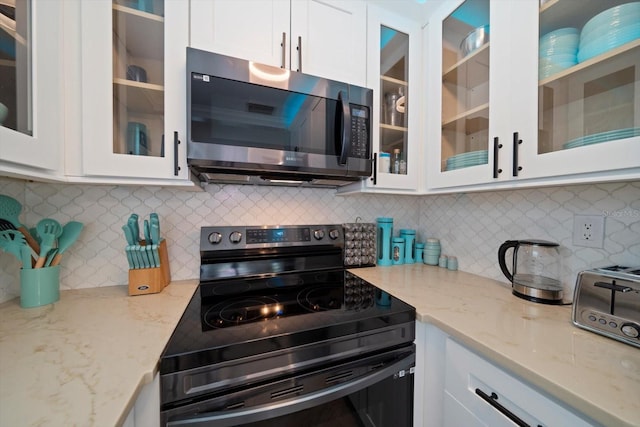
{"x":543,"y":296}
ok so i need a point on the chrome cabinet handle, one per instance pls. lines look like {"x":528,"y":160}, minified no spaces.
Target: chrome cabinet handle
{"x":284,"y":50}
{"x":516,"y":143}
{"x":300,"y":54}
{"x":496,"y":146}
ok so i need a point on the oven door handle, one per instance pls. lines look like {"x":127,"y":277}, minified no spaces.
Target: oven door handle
{"x":248,"y":415}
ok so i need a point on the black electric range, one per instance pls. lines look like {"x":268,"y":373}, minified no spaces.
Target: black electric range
{"x":275,"y":301}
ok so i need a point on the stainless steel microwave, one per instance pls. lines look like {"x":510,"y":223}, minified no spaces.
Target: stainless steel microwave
{"x":251,"y":123}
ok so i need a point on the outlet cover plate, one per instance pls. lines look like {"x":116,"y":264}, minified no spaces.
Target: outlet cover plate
{"x":588,"y":231}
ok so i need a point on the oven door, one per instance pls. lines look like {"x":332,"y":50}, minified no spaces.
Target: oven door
{"x":371,"y":391}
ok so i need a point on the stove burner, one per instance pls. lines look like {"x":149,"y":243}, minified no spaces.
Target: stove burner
{"x":321,"y":298}
{"x":242,"y":310}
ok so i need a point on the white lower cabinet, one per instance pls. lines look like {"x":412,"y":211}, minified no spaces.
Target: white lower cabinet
{"x":460,"y":388}
{"x":146,"y":411}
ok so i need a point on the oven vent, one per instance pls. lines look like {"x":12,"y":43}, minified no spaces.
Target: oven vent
{"x":339,"y":377}
{"x":235,"y":406}
{"x":287,"y":392}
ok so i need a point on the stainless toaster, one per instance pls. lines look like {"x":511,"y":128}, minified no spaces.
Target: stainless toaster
{"x":607,"y":301}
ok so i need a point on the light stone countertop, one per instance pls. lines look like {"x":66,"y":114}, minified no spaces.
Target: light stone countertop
{"x":598,"y":376}
{"x":83,"y":360}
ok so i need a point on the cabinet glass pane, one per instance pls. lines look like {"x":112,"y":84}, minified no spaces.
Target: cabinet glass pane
{"x":394,"y":104}
{"x":465,"y":86}
{"x":15,"y":66}
{"x":138,"y":77}
{"x":589,"y":73}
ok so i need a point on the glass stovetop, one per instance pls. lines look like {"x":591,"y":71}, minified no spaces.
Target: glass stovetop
{"x":229,"y":319}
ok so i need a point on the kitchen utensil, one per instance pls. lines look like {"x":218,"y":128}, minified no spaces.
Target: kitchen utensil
{"x":147,"y":232}
{"x":128,"y":234}
{"x":51,"y":257}
{"x":155,"y":239}
{"x":10,"y":210}
{"x":6,"y":225}
{"x":49,"y":230}
{"x":12,"y":241}
{"x":70,"y":233}
{"x":135,"y":228}
{"x":535,"y":270}
{"x":474,"y":40}
{"x":155,"y":219}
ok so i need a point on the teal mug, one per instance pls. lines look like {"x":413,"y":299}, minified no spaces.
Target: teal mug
{"x":39,"y":286}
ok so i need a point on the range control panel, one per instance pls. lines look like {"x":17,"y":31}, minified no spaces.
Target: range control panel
{"x":255,"y":237}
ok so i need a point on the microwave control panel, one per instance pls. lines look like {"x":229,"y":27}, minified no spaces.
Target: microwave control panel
{"x":360,"y":139}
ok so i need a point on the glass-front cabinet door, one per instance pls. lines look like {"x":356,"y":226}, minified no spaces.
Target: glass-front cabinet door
{"x":588,"y":87}
{"x":30,"y":85}
{"x":134,"y":62}
{"x":468,"y":88}
{"x":533,"y":90}
{"x":393,"y":72}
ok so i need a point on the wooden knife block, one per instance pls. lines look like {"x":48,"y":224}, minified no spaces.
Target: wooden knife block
{"x":144,"y":281}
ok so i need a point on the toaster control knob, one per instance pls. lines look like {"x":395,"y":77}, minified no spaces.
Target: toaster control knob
{"x":334,"y":234}
{"x":235,"y":237}
{"x":215,"y":238}
{"x":631,"y":330}
{"x":318,"y":234}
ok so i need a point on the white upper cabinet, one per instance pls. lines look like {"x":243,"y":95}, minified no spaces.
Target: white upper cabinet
{"x":134,"y":90}
{"x":394,"y":51}
{"x":31,"y":88}
{"x":535,"y":101}
{"x":324,"y":38}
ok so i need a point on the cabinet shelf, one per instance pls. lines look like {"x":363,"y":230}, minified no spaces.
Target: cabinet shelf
{"x":628,"y":50}
{"x":475,"y":119}
{"x":393,"y":128}
{"x":141,"y":97}
{"x":144,"y":32}
{"x":473,"y":68}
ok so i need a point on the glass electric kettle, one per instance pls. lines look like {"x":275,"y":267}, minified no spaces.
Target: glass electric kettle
{"x":535,"y":269}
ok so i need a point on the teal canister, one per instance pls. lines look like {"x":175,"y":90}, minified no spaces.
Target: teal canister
{"x":419,"y":252}
{"x":385,"y":234}
{"x":397,"y":250}
{"x":409,"y":245}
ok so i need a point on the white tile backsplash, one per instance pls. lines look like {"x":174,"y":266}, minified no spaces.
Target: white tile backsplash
{"x":470,"y":225}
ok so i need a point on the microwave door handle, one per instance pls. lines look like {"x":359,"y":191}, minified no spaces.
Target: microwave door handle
{"x":345,"y":131}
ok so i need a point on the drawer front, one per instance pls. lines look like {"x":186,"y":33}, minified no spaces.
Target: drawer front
{"x":466,"y":372}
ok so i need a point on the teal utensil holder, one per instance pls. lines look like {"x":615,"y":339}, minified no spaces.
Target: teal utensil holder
{"x":39,"y":286}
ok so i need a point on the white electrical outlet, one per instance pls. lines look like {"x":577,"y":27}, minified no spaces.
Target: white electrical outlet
{"x":588,"y":231}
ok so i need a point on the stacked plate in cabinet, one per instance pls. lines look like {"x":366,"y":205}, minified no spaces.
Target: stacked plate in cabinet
{"x":602,"y":137}
{"x":607,"y":30}
{"x":472,"y":158}
{"x":558,"y":51}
